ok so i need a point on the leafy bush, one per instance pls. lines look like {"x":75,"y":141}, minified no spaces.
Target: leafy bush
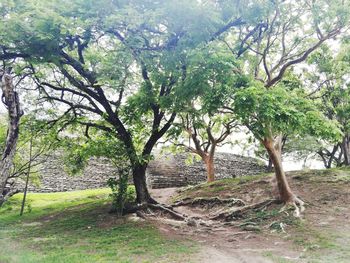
{"x":122,"y":194}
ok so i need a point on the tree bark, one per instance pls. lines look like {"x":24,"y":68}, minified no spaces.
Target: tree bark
{"x":345,"y":145}
{"x":270,"y":166}
{"x":209,"y":162}
{"x":286,"y":194}
{"x":11,"y":101}
{"x":139,"y":178}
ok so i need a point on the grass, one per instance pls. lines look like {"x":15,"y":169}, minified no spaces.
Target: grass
{"x":334,"y":175}
{"x":76,"y":227}
{"x":218,"y":187}
{"x":322,"y":245}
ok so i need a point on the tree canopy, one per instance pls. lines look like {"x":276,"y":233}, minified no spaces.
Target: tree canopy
{"x":123,"y":72}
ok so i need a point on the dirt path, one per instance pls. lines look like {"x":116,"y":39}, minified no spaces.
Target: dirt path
{"x":223,"y":243}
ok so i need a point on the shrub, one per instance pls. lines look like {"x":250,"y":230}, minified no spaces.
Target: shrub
{"x":122,"y":193}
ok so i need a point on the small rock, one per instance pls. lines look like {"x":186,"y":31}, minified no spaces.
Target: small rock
{"x":314,"y":247}
{"x":134,"y":218}
{"x":203,"y":223}
{"x":191,"y":222}
{"x":172,"y":222}
{"x":249,"y":236}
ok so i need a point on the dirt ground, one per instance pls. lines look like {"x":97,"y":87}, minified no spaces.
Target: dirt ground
{"x":321,"y":235}
{"x":219,"y":242}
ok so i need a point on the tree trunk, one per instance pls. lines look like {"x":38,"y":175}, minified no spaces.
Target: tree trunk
{"x":209,"y":163}
{"x":139,"y":178}
{"x":28,"y":175}
{"x":270,"y":166}
{"x":345,"y":145}
{"x":11,"y":101}
{"x":286,"y":194}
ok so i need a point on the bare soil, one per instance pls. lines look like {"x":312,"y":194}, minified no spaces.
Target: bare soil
{"x":321,"y":235}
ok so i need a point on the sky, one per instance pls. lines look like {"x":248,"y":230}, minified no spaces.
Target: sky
{"x":2,"y":108}
{"x":289,"y":164}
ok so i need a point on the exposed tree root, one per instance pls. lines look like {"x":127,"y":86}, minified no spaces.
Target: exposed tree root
{"x":147,"y":209}
{"x":232,"y":213}
{"x":298,"y":205}
{"x":212,"y":201}
{"x":169,"y":211}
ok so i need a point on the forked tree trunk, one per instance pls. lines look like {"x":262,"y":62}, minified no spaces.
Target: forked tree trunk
{"x":11,"y":101}
{"x":285,"y":193}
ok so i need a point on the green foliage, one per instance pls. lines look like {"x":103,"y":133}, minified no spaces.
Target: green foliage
{"x":210,"y":79}
{"x":3,"y":133}
{"x":42,"y":140}
{"x":268,"y":112}
{"x":302,"y":147}
{"x":119,"y":41}
{"x":333,"y":70}
{"x":77,"y":150}
{"x":122,"y":194}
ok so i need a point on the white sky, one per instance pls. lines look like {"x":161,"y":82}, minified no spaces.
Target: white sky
{"x":2,"y":108}
{"x":289,"y":164}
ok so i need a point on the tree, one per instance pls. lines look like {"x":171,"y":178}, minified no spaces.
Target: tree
{"x":11,"y":101}
{"x":328,"y":81}
{"x":282,"y":35}
{"x":78,"y":150}
{"x":202,"y":126}
{"x":269,"y":112}
{"x":117,"y":66}
{"x":34,"y":145}
{"x":206,"y":133}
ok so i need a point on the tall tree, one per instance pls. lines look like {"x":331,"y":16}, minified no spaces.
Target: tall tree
{"x":269,"y":112}
{"x":282,"y":35}
{"x":328,"y":81}
{"x":202,"y":126}
{"x":117,"y":65}
{"x":11,"y":101}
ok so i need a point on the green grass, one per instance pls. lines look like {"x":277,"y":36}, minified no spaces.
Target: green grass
{"x":322,"y":245}
{"x":218,"y":187}
{"x":76,"y":227}
{"x":333,"y":175}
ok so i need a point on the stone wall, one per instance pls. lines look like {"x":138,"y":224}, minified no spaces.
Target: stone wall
{"x":164,"y":171}
{"x":171,"y":170}
{"x":53,"y":178}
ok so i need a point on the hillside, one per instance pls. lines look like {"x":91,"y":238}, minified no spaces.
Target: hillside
{"x":322,"y":234}
{"x":79,"y":223}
